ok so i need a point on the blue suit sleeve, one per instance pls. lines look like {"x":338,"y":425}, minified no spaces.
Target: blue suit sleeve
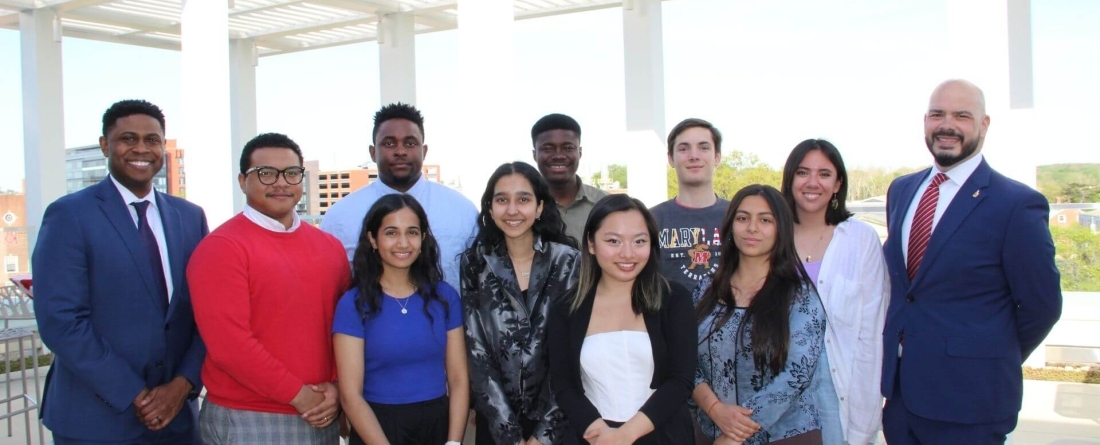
{"x":1033,"y":278}
{"x":63,"y":306}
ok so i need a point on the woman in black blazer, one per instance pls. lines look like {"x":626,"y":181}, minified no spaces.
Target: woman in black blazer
{"x":622,"y":348}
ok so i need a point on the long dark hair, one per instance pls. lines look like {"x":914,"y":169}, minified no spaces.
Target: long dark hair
{"x":770,"y":310}
{"x":549,"y":225}
{"x":649,"y":287}
{"x":833,"y":216}
{"x":367,"y":266}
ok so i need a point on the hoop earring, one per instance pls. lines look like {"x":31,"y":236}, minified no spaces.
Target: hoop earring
{"x":835,"y":202}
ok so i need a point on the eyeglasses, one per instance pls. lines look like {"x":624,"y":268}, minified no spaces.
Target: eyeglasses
{"x":270,"y":175}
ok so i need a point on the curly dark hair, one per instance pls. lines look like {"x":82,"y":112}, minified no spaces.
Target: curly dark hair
{"x":397,"y":111}
{"x":367,"y":266}
{"x":129,"y":107}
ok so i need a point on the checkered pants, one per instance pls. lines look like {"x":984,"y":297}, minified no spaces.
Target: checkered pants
{"x":219,"y":425}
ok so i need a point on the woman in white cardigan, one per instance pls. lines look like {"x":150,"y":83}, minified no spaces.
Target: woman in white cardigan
{"x":844,"y":258}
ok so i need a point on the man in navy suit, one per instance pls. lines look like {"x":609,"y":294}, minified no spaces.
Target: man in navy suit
{"x":112,"y":301}
{"x":974,"y":288}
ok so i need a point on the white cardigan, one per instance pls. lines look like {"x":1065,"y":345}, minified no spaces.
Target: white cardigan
{"x":854,"y":287}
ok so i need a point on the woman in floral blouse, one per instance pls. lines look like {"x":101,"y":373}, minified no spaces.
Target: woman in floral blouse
{"x":761,"y":327}
{"x":519,"y":263}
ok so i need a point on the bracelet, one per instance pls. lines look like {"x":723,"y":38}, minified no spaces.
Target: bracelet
{"x":707,"y":411}
{"x":452,"y":442}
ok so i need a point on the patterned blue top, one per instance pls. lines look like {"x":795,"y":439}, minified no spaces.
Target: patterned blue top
{"x":782,"y":404}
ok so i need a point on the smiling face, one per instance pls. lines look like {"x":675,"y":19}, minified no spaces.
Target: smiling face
{"x":277,"y":200}
{"x":955,"y":124}
{"x":621,"y":245}
{"x":515,"y":206}
{"x":398,"y":239}
{"x":557,"y":153}
{"x":815,"y":181}
{"x":134,"y":148}
{"x":694,"y":157}
{"x":754,"y":230}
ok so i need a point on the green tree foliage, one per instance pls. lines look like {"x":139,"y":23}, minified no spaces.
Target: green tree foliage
{"x":1069,"y":182}
{"x":736,"y":171}
{"x":1077,"y":254}
{"x":863,"y":184}
{"x":615,"y":172}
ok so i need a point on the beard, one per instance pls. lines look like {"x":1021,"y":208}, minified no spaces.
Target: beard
{"x":946,"y":159}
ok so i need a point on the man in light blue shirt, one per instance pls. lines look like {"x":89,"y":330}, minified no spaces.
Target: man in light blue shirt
{"x":398,"y":149}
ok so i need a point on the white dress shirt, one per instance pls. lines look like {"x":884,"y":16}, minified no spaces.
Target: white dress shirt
{"x":616,"y":370}
{"x":270,"y":223}
{"x":956,"y":177}
{"x":152,"y":216}
{"x":854,"y":288}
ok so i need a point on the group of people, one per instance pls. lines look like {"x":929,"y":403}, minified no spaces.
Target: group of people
{"x":558,"y":313}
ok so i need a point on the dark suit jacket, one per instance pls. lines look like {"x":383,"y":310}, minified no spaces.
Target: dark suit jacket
{"x":674,"y":338}
{"x":986,"y":294}
{"x":99,"y":312}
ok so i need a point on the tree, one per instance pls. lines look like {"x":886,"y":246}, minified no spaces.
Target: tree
{"x":736,"y":171}
{"x":1077,"y":254}
{"x":863,"y":184}
{"x":1078,"y":192}
{"x":615,"y":172}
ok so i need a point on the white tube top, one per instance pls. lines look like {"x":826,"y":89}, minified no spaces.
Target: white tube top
{"x":616,"y":371}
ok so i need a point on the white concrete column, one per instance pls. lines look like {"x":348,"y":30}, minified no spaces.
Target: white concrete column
{"x":243,"y":59}
{"x":988,"y":42}
{"x":645,"y":100}
{"x":397,"y":58}
{"x":484,"y":84}
{"x":205,"y":101}
{"x":43,"y":113}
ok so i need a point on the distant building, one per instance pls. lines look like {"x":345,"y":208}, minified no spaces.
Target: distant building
{"x":322,"y":189}
{"x":86,"y":166}
{"x":1065,"y":218}
{"x":14,"y":246}
{"x":1089,"y":218}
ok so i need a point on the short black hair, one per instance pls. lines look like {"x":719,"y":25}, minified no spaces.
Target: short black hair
{"x":129,"y":107}
{"x":693,"y":122}
{"x":268,"y":140}
{"x":397,"y":111}
{"x":554,"y":121}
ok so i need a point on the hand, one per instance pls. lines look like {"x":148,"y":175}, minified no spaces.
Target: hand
{"x":726,"y":440}
{"x":163,"y":403}
{"x":324,"y":413}
{"x":532,"y":441}
{"x":734,"y":421}
{"x":613,"y":436}
{"x":595,"y":430}
{"x":306,"y":399}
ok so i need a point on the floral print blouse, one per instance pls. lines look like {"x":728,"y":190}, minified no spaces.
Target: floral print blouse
{"x":782,"y":404}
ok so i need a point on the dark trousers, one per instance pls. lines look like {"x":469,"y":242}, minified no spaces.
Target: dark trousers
{"x":484,"y":437}
{"x":677,"y":430}
{"x":149,"y":438}
{"x":902,"y":427}
{"x":410,"y":423}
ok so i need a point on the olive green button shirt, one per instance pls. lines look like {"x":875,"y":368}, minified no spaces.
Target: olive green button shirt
{"x":576,"y":214}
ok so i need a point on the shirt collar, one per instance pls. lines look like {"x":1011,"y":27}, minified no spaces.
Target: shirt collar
{"x":129,"y":197}
{"x":961,"y":171}
{"x":582,"y":191}
{"x":414,"y":187}
{"x":270,"y":223}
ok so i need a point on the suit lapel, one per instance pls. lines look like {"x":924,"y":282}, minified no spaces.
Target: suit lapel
{"x":907,"y":190}
{"x":960,"y":207}
{"x":173,"y":235}
{"x":118,"y":214}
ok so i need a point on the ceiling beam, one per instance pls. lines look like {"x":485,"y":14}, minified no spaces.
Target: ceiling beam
{"x":146,"y":41}
{"x":436,"y":20}
{"x":312,"y":27}
{"x":69,"y":5}
{"x":266,"y":7}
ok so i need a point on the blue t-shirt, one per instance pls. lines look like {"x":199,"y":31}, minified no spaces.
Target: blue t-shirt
{"x":404,"y":354}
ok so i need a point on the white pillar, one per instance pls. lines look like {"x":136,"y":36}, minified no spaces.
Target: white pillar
{"x":486,"y":75}
{"x":998,"y":35}
{"x":43,"y":113}
{"x":645,"y":100}
{"x":242,"y":104}
{"x":205,"y":99}
{"x":397,"y":58}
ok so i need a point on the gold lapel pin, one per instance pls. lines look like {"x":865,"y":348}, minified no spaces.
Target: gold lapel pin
{"x":977,"y":192}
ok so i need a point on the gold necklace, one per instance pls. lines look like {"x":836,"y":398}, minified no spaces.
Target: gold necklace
{"x":820,"y":238}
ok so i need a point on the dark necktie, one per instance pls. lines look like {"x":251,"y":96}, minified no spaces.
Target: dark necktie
{"x":151,"y":248}
{"x":921,"y":229}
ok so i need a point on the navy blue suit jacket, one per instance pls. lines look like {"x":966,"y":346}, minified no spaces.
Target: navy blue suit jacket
{"x":986,"y":294}
{"x":99,"y":312}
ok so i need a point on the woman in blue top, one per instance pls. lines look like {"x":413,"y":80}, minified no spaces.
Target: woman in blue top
{"x":400,"y":347}
{"x":761,"y":328}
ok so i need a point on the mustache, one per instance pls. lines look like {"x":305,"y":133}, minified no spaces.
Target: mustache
{"x":948,"y":133}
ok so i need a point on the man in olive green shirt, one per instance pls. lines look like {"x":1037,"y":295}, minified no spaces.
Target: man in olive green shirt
{"x":557,"y":152}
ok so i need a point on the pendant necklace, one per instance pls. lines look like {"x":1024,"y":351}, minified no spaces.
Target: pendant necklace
{"x":404,"y":307}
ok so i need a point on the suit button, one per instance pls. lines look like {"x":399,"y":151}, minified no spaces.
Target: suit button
{"x":160,"y":363}
{"x":910,"y":298}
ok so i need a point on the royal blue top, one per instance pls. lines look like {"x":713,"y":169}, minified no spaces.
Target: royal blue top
{"x":404,"y":354}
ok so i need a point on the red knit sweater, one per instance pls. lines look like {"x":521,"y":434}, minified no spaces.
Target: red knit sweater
{"x":264,"y":303}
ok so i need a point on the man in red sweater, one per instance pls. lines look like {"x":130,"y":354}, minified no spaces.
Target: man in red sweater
{"x":265,"y":287}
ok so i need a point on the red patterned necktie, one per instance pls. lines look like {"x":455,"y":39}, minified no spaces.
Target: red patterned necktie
{"x":921,"y":230}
